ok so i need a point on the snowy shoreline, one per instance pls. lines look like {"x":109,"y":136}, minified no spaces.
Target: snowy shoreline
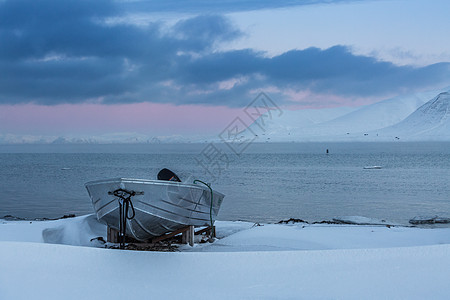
{"x":58,"y":260}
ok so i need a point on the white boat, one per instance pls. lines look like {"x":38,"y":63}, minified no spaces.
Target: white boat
{"x":372,"y":167}
{"x":153,"y":207}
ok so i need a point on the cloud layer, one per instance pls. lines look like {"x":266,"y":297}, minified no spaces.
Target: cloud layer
{"x":72,"y":51}
{"x":218,"y":6}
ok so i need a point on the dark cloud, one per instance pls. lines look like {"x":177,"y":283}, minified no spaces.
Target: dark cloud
{"x":201,"y":30}
{"x":217,"y":6}
{"x":33,"y":29}
{"x":335,"y":71}
{"x":65,"y":51}
{"x":220,"y":66}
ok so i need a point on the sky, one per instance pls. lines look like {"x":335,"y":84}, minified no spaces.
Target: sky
{"x":161,"y":68}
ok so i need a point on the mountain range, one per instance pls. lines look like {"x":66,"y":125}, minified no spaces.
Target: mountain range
{"x":431,"y":121}
{"x":417,"y":117}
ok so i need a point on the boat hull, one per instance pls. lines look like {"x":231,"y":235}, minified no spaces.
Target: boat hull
{"x":160,"y":206}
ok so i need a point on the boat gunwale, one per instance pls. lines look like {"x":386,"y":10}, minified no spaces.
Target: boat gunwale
{"x":151,"y":182}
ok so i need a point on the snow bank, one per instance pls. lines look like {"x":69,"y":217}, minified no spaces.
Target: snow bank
{"x":273,"y":261}
{"x":44,"y":271}
{"x":276,"y":237}
{"x":75,"y":231}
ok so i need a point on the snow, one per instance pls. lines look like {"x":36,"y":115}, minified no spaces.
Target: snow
{"x":431,"y":121}
{"x":58,"y":260}
{"x":382,"y":114}
{"x":291,"y":121}
{"x":358,"y":220}
{"x":414,"y":117}
{"x":410,"y":117}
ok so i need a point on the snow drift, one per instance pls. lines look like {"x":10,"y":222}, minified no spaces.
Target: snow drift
{"x":269,"y":261}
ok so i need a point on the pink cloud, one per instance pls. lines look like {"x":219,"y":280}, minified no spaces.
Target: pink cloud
{"x":145,"y":118}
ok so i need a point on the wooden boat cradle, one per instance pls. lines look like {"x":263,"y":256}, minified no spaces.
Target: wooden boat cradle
{"x":187,"y":235}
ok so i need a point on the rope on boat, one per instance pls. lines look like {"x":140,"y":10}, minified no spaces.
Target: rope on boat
{"x":210,"y":208}
{"x":124,"y":205}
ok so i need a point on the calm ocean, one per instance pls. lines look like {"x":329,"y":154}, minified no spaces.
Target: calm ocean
{"x":265,"y":183}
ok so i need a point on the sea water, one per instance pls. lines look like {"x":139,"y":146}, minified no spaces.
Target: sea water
{"x":265,"y":182}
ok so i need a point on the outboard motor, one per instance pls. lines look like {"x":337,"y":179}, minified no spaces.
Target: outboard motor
{"x":166,"y":174}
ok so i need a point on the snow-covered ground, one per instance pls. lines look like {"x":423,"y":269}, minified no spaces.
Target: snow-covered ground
{"x":58,"y":260}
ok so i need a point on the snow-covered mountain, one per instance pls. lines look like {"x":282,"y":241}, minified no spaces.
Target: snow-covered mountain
{"x":291,"y":122}
{"x":360,"y":124}
{"x":114,"y":138}
{"x":431,"y":121}
{"x":408,"y":117}
{"x":380,"y":114}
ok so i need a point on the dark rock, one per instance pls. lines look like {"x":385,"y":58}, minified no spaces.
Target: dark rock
{"x":292,"y":221}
